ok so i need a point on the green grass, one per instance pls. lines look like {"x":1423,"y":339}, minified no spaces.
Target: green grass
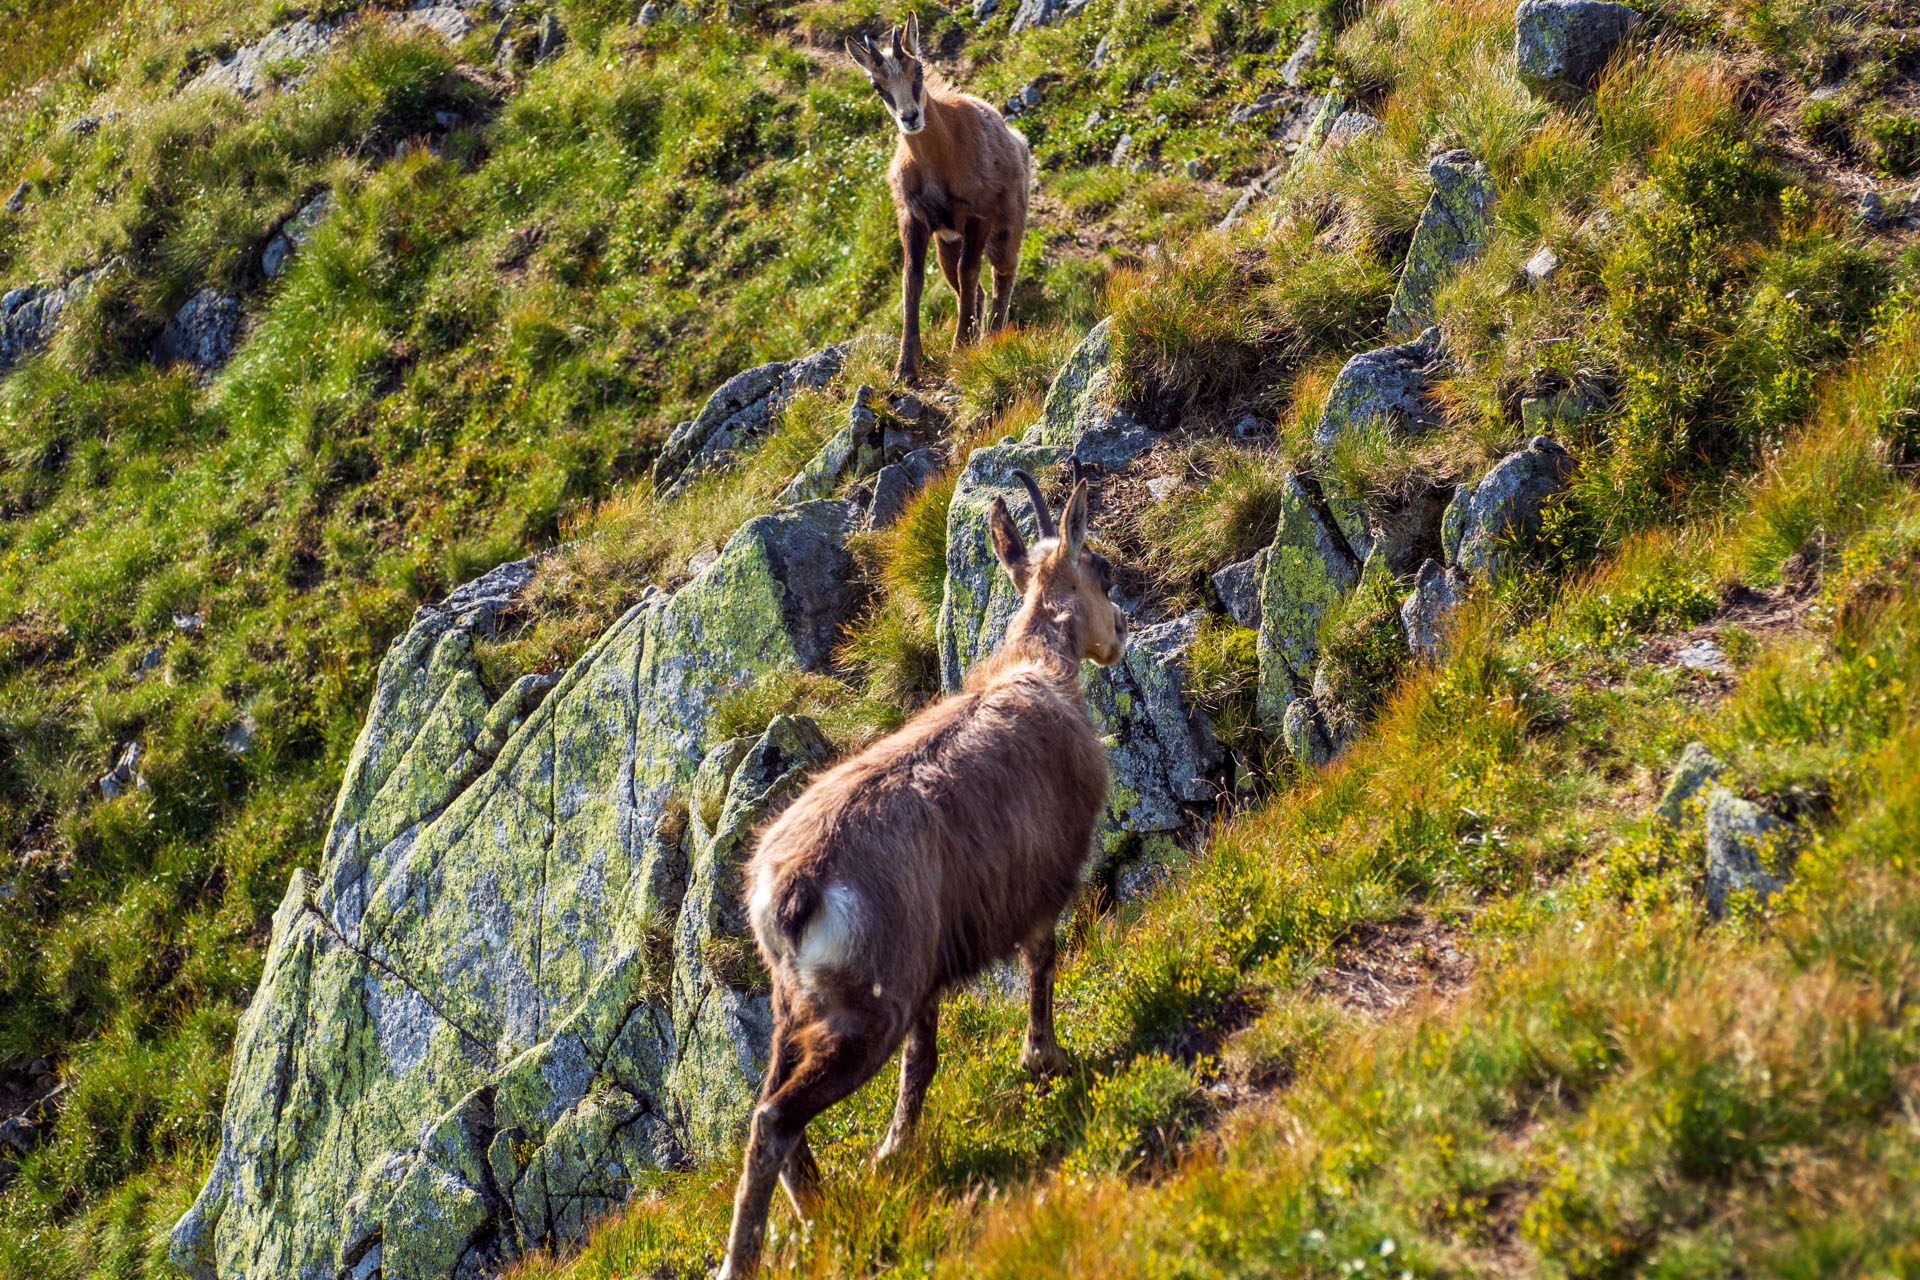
{"x":478,"y":355}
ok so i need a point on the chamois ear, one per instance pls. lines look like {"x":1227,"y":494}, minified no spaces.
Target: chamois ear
{"x":1009,"y":548}
{"x":1073,"y":523}
{"x":913,"y":34}
{"x":862,"y":56}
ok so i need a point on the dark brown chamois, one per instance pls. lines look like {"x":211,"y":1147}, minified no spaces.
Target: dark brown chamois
{"x":911,"y":867}
{"x":959,"y":176}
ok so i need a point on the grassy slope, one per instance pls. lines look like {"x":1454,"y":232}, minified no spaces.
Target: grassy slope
{"x":475,"y":357}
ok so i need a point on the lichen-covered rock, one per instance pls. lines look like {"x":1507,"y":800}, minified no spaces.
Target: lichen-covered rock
{"x":1347,"y":127}
{"x":742,"y":409}
{"x":255,"y":67}
{"x":1695,"y":770}
{"x":294,"y":234}
{"x":1078,"y":389}
{"x":1304,"y":730}
{"x":1453,"y":230}
{"x":1389,"y":389}
{"x":201,"y":333}
{"x":1159,"y":747}
{"x":1425,"y":613}
{"x":1310,"y":570}
{"x":1238,"y":586}
{"x":853,"y":450}
{"x":1507,"y":503}
{"x":1749,"y":851}
{"x":474,"y":1024}
{"x":1561,"y":46}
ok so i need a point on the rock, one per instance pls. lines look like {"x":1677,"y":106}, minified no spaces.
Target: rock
{"x":896,"y":484}
{"x":1566,"y":407}
{"x":1695,"y":770}
{"x":1872,"y":210}
{"x":739,"y":411}
{"x":1437,"y":592}
{"x":1038,"y":13}
{"x":1704,"y":655}
{"x":125,"y":774}
{"x":906,"y":406}
{"x":1025,"y":100}
{"x":1121,"y":150}
{"x":238,"y":739}
{"x":1748,"y":851}
{"x":552,"y":37}
{"x":201,"y":333}
{"x":255,"y":67}
{"x":18,"y":200}
{"x":1080,"y":399}
{"x":1304,"y":731}
{"x":1385,"y":391}
{"x":850,"y":451}
{"x":1160,"y":746}
{"x":648,"y":15}
{"x":1238,"y":586}
{"x":1453,"y":231}
{"x":1542,"y":267}
{"x":446,"y":21}
{"x":1309,"y":572}
{"x":1347,"y":127}
{"x":30,"y":315}
{"x":149,"y":660}
{"x":295,"y":232}
{"x":189,"y":624}
{"x":1100,"y":51}
{"x":1294,"y":69}
{"x":1251,"y":428}
{"x":1507,"y":502}
{"x":1561,"y":46}
{"x":984,"y":9}
{"x":488,"y":1015}
{"x":1160,"y":488}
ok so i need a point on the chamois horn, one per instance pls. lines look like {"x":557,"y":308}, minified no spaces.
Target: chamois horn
{"x":898,"y":53}
{"x":1040,"y":512}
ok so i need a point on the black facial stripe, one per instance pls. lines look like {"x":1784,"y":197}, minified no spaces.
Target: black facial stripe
{"x":884,"y":95}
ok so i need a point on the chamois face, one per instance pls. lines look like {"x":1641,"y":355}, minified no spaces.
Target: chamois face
{"x":897,"y":75}
{"x":1068,"y":578}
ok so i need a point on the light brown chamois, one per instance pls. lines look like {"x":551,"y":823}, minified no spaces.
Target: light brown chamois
{"x":911,"y":867}
{"x":959,"y":176}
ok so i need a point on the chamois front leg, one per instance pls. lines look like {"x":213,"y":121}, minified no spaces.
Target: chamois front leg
{"x":972,"y":241}
{"x":1041,"y":1055}
{"x":918,"y":1061}
{"x":913,"y":274}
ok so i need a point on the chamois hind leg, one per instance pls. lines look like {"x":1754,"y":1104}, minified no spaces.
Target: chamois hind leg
{"x":972,"y":241}
{"x":949,"y":251}
{"x":1003,"y":253}
{"x":831,"y":1058}
{"x":918,"y":1061}
{"x":1041,"y":1055}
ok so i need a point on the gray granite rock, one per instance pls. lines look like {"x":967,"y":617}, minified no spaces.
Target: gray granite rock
{"x":1561,"y":46}
{"x":1310,"y":570}
{"x":896,"y":484}
{"x":1749,"y":851}
{"x":295,"y":232}
{"x":1425,"y":612}
{"x":1238,"y":586}
{"x":254,"y":67}
{"x":1507,"y":502}
{"x":1453,"y":231}
{"x":29,"y":315}
{"x":201,"y":333}
{"x":741,"y":410}
{"x":1696,"y":769}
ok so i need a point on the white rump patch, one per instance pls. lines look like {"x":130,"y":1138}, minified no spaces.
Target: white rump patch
{"x":760,"y":916}
{"x":833,"y":935}
{"x":948,"y":235}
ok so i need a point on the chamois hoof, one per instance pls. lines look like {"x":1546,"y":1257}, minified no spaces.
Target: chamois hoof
{"x":1043,"y":1063}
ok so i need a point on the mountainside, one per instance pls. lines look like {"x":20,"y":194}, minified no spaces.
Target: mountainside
{"x":453,"y":492}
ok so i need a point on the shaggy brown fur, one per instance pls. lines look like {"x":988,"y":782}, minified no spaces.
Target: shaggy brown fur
{"x":911,"y":867}
{"x":959,"y":176}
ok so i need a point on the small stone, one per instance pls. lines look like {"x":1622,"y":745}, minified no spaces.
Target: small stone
{"x":238,"y":739}
{"x":1872,"y":210}
{"x":1305,"y":734}
{"x":1748,"y":851}
{"x":446,"y":21}
{"x":552,"y":36}
{"x":449,"y":119}
{"x":1238,"y":586}
{"x":1561,"y":46}
{"x":1508,"y":500}
{"x":18,"y":200}
{"x":1704,"y":655}
{"x":1114,"y":440}
{"x":1121,"y":150}
{"x":125,"y":774}
{"x":1542,"y":266}
{"x":1251,"y":428}
{"x":1100,"y":52}
{"x":648,"y":15}
{"x":1453,"y":231}
{"x":1160,"y":488}
{"x":189,"y":624}
{"x":149,"y":660}
{"x":507,"y":54}
{"x":906,"y":406}
{"x":895,"y":485}
{"x":984,"y":9}
{"x":1349,"y":127}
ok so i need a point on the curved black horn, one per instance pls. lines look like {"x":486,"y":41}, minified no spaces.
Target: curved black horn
{"x":898,"y":53}
{"x":1040,"y":512}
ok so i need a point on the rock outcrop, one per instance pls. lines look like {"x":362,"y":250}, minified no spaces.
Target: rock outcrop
{"x":1426,"y":610}
{"x":517,"y":981}
{"x":1561,"y":46}
{"x":1749,"y":851}
{"x":741,"y":410}
{"x":30,"y":315}
{"x":1310,"y":570}
{"x":1382,"y":396}
{"x":294,"y":234}
{"x":257,"y":66}
{"x":201,"y":333}
{"x":1453,"y":231}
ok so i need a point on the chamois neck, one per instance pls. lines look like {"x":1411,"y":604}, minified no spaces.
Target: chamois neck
{"x":933,"y":142}
{"x":1046,"y":632}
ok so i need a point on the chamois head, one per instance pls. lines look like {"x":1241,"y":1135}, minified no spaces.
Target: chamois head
{"x":897,"y":74}
{"x":1069,"y":581}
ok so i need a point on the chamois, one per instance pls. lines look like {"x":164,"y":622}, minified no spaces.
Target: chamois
{"x":959,"y":176}
{"x":908,"y":869}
